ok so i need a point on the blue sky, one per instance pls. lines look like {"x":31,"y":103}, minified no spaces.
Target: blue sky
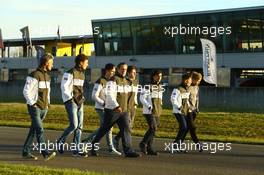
{"x":74,"y":17}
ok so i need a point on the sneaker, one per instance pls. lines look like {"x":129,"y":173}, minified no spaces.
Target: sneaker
{"x":30,"y":156}
{"x":49,"y":156}
{"x":113,"y":151}
{"x":116,"y":143}
{"x":143,"y":148}
{"x":84,"y":155}
{"x":132,"y":154}
{"x":94,"y":153}
{"x":86,"y":148}
{"x":152,"y":152}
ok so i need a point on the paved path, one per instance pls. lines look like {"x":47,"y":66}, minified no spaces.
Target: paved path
{"x":242,"y":159}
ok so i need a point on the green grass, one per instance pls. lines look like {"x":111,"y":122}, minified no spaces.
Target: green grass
{"x":240,"y":127}
{"x":11,"y":169}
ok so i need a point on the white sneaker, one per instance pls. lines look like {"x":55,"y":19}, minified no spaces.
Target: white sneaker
{"x":30,"y":156}
{"x":49,"y":156}
{"x":113,"y":151}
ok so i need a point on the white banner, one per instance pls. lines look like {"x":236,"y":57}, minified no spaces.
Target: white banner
{"x":209,"y":61}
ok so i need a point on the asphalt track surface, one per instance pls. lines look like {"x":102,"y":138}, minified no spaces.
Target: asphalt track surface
{"x":242,"y":159}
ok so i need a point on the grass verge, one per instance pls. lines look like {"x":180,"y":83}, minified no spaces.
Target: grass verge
{"x":238,"y":127}
{"x":20,"y":169}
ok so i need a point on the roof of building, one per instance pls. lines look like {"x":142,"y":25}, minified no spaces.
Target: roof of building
{"x":52,"y":38}
{"x":41,"y":40}
{"x":181,"y":14}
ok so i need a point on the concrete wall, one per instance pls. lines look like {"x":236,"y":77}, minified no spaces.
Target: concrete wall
{"x":226,"y":60}
{"x":225,"y":63}
{"x":210,"y":97}
{"x":13,"y":91}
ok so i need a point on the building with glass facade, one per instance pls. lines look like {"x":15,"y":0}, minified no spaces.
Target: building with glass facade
{"x":172,"y":42}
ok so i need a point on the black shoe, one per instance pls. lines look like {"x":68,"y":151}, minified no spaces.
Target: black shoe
{"x":29,"y":156}
{"x":143,"y":148}
{"x":152,"y":152}
{"x":88,"y":140}
{"x":85,"y":140}
{"x":60,"y":149}
{"x":132,"y":154}
{"x":49,"y":156}
{"x":93,"y":153}
{"x":184,"y":151}
{"x":177,"y":149}
{"x":199,"y":146}
{"x":80,"y":155}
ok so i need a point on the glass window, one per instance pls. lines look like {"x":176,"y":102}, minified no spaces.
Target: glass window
{"x":254,"y":31}
{"x":127,"y":43}
{"x":145,"y":28}
{"x":98,"y":39}
{"x":115,"y":44}
{"x":125,"y":29}
{"x":106,"y":26}
{"x":189,"y":30}
{"x":216,"y":31}
{"x":115,"y":32}
{"x":145,"y":35}
{"x":229,"y":36}
{"x":262,"y":28}
{"x":154,"y":40}
{"x":178,"y":38}
{"x":16,"y":51}
{"x":202,"y":24}
{"x":167,"y":41}
{"x":209,"y":24}
{"x":136,"y":35}
{"x":107,"y":35}
{"x":240,"y":31}
{"x":237,"y":31}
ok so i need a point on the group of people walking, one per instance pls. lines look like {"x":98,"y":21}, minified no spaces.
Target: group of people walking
{"x":115,"y":95}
